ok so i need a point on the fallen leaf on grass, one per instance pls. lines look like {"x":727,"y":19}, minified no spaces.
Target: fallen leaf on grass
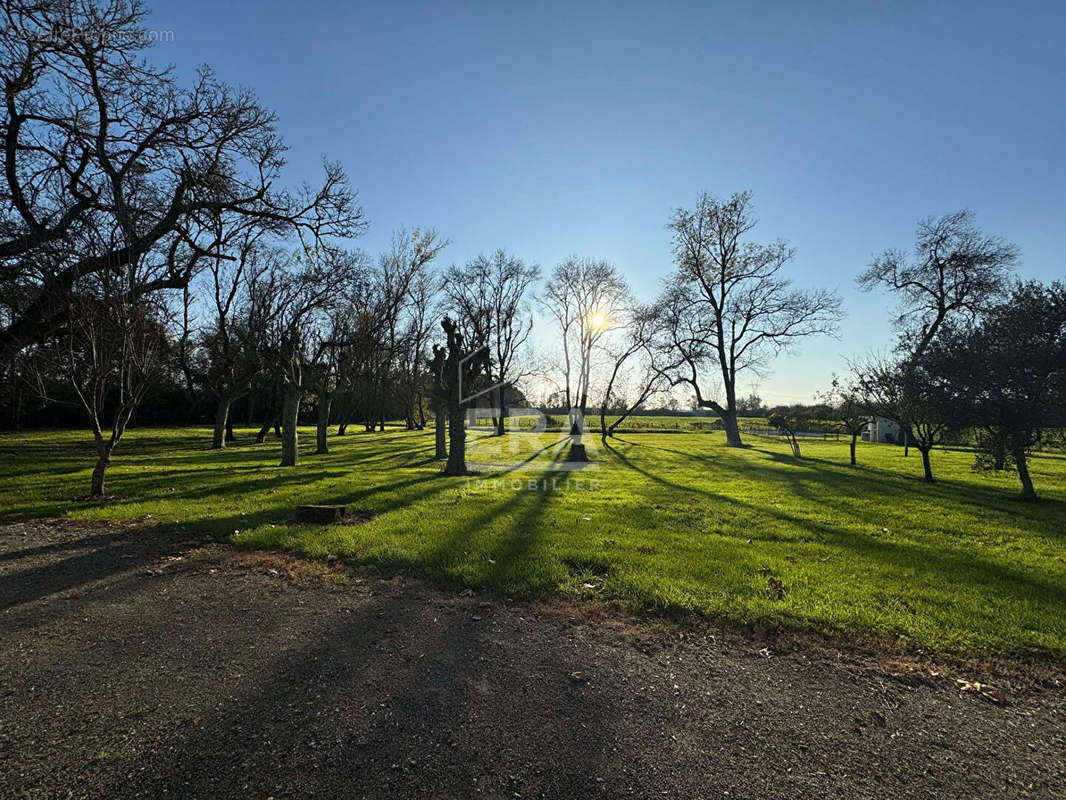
{"x":776,"y":588}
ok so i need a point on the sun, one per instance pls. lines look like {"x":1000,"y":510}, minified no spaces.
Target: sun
{"x":599,"y":319}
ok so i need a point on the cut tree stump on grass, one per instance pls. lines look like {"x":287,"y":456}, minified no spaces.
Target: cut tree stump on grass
{"x":321,"y":513}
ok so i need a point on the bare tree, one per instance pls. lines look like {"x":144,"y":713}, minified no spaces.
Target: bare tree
{"x":97,"y":139}
{"x":229,"y":344}
{"x":413,"y":376}
{"x":955,"y":269}
{"x":585,"y":297}
{"x":110,"y":351}
{"x":644,"y":343}
{"x":491,"y":294}
{"x":288,"y":296}
{"x":729,"y":308}
{"x":400,"y":287}
{"x":330,"y":347}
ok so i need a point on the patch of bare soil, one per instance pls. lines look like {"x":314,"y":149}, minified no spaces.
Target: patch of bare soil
{"x":135,"y":664}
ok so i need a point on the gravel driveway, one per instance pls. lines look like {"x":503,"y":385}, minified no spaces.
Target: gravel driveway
{"x":133,"y":664}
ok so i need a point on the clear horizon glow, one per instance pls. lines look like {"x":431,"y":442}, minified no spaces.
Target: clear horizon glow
{"x":557,"y":128}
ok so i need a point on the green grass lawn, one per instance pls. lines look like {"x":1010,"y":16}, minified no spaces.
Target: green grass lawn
{"x":671,"y":522}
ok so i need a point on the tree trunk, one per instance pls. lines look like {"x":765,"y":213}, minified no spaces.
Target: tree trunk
{"x":998,"y":446}
{"x":218,"y":437}
{"x":456,"y":442}
{"x":440,"y":434}
{"x":103,"y":461}
{"x":499,"y":421}
{"x":732,"y":429}
{"x":290,"y":413}
{"x":342,"y":429}
{"x":229,"y":429}
{"x":854,"y":439}
{"x":926,"y":466}
{"x":324,"y":403}
{"x":1021,"y":462}
{"x":577,"y":447}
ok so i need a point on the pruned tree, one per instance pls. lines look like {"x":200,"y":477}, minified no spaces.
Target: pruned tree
{"x":460,"y":367}
{"x":291,"y":296}
{"x":491,"y":295}
{"x":97,"y":139}
{"x":729,"y":308}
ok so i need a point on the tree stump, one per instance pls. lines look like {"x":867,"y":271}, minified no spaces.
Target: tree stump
{"x":320,"y":514}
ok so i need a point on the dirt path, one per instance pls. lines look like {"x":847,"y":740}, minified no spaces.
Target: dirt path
{"x":135,"y":665}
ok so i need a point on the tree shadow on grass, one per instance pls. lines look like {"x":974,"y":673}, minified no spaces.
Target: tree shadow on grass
{"x":102,"y":555}
{"x":877,"y":485}
{"x":954,"y":564}
{"x":510,"y":551}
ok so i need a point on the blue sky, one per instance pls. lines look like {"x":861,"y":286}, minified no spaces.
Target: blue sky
{"x":558,"y":128}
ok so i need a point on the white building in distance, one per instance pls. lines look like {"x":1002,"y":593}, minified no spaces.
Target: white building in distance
{"x":883,"y":430}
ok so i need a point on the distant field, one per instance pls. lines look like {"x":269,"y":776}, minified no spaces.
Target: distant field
{"x":663,"y":522}
{"x":641,"y":423}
